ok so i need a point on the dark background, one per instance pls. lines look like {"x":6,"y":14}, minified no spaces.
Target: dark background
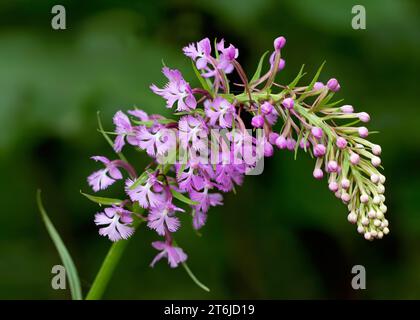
{"x":283,"y":235}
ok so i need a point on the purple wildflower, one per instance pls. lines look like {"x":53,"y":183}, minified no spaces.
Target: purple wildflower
{"x":116,"y":221}
{"x":163,"y":217}
{"x":220,"y":112}
{"x":175,"y":255}
{"x":176,"y":90}
{"x":148,"y":195}
{"x":102,"y":179}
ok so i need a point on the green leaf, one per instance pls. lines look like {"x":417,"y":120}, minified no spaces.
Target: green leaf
{"x":298,"y":77}
{"x":315,"y":79}
{"x":151,"y":122}
{"x":140,"y":180}
{"x":102,"y":200}
{"x":71,"y":271}
{"x":203,"y":81}
{"x":257,"y":73}
{"x":108,"y":267}
{"x":183,"y":198}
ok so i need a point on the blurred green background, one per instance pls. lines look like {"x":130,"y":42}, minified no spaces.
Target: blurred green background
{"x":284,"y":235}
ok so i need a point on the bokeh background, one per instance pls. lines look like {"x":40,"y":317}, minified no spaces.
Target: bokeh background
{"x":283,"y":235}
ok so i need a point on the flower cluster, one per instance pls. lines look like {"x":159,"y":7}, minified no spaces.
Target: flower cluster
{"x":209,"y":123}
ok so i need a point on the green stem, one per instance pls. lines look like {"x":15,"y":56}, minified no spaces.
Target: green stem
{"x":107,"y":269}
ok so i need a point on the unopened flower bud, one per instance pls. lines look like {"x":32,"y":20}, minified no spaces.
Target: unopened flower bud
{"x":341,"y":143}
{"x":376,"y":149}
{"x":291,"y":144}
{"x":333,"y":85}
{"x":319,"y":150}
{"x":288,"y":103}
{"x":380,"y":235}
{"x":267,"y":108}
{"x":333,"y":186}
{"x":382,"y":179}
{"x":372,"y":214}
{"x":365,"y":221}
{"x":368,"y":236}
{"x":364,"y":198}
{"x":363,"y":116}
{"x":354,"y":158}
{"x":279,"y":43}
{"x":377,"y":222}
{"x":268,"y":149}
{"x":345,"y":197}
{"x":376,"y":161}
{"x":281,"y":142}
{"x":304,"y":144}
{"x":317,"y":132}
{"x":379,"y":214}
{"x":272,"y":137}
{"x":385,"y":230}
{"x":373,"y":233}
{"x":380,"y":188}
{"x":318,"y":173}
{"x":383,"y":208}
{"x":360,"y":229}
{"x":345,"y":183}
{"x":376,"y":199}
{"x":318,"y":86}
{"x":352,"y":217}
{"x":332,"y":166}
{"x":363,"y":132}
{"x":347,"y":109}
{"x":257,"y":121}
{"x":374,"y":178}
{"x":384,"y":224}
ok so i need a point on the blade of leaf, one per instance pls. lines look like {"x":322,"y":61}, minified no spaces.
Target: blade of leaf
{"x":183,"y":198}
{"x":257,"y":73}
{"x":71,"y":271}
{"x":102,"y":200}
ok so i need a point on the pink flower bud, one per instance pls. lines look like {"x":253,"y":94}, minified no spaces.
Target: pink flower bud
{"x":376,"y":161}
{"x":345,"y":197}
{"x":281,"y":142}
{"x":318,"y":174}
{"x":376,"y":149}
{"x":332,"y":166}
{"x":319,"y":150}
{"x":272,"y":137}
{"x":317,"y":132}
{"x":364,"y":198}
{"x":341,"y":143}
{"x":333,"y":186}
{"x":291,"y":143}
{"x":363,"y":132}
{"x":354,"y":158}
{"x":304,"y":144}
{"x":364,"y":116}
{"x":268,"y":149}
{"x":318,"y":86}
{"x":333,"y":85}
{"x":267,"y":108}
{"x":257,"y":121}
{"x":374,"y":178}
{"x":368,"y":236}
{"x":345,"y":183}
{"x":282,"y":64}
{"x":352,"y":217}
{"x":372,"y":214}
{"x":288,"y":103}
{"x":279,"y":43}
{"x":347,"y":109}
